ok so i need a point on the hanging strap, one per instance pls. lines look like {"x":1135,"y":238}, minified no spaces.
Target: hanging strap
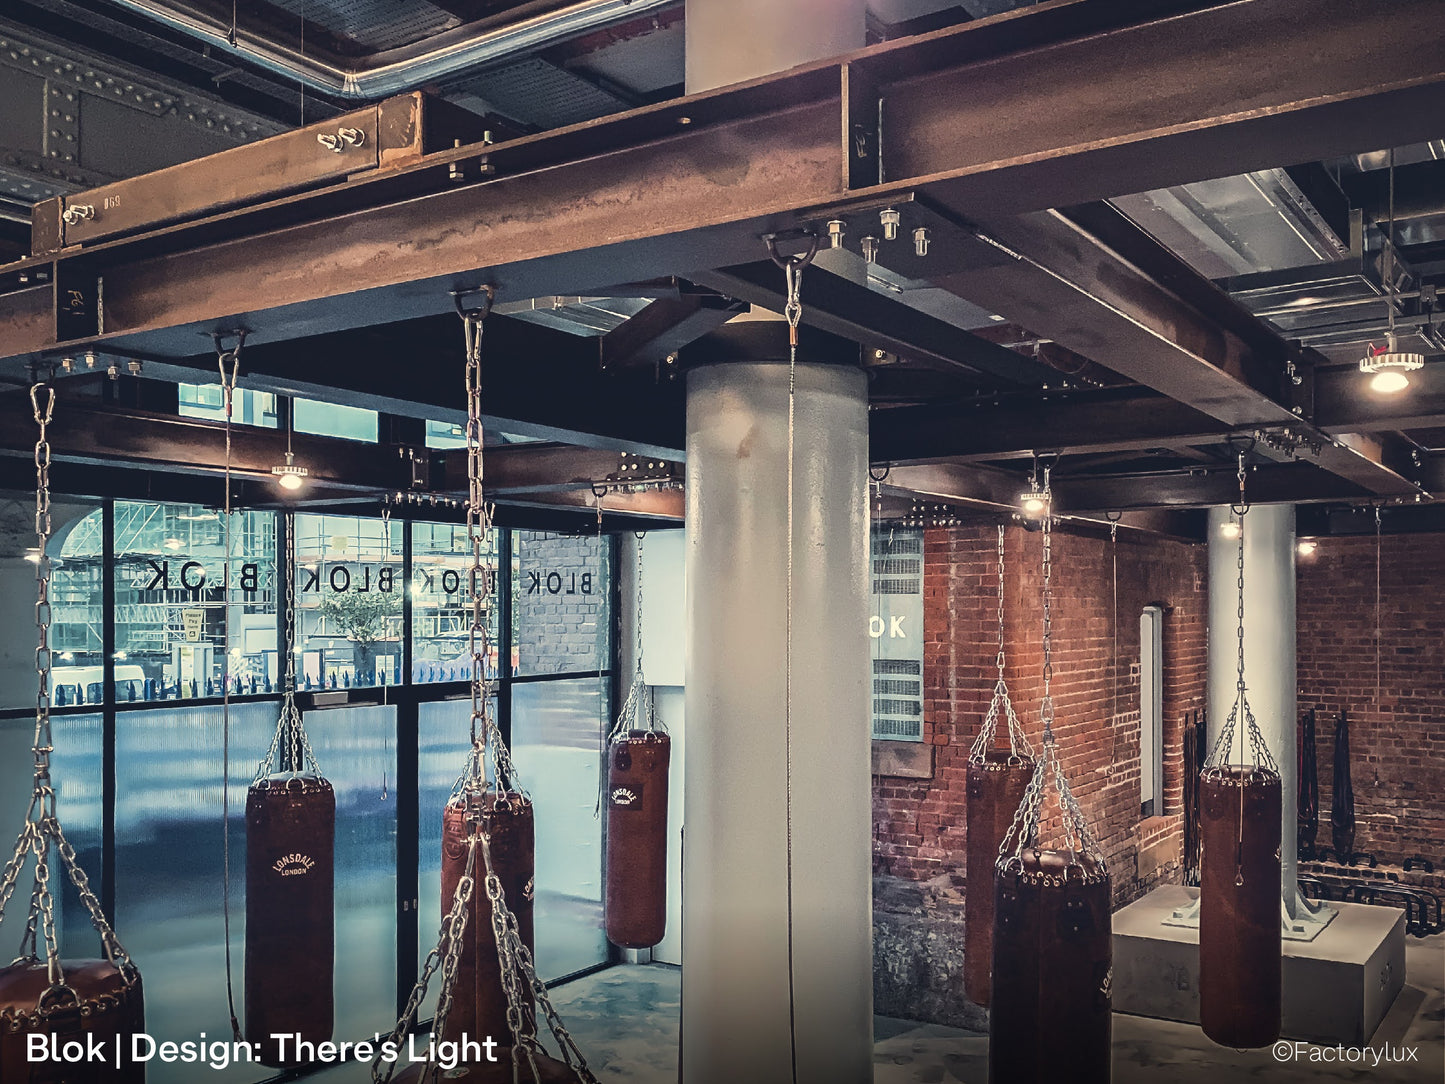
{"x":229,"y":363}
{"x":41,"y":828}
{"x":1001,"y":704}
{"x":792,"y":267}
{"x":1079,"y":840}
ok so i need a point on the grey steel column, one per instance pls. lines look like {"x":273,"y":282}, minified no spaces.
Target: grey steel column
{"x":1269,"y":649}
{"x":729,"y":41}
{"x":777,"y":964}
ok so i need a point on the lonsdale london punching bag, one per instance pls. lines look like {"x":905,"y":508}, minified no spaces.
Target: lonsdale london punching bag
{"x":1051,"y":1017}
{"x":489,"y":985}
{"x":1051,"y":1014}
{"x":1240,"y":830}
{"x":639,"y":755}
{"x":80,"y":1001}
{"x":479,"y":1003}
{"x":1240,"y":941}
{"x":997,"y":778}
{"x":290,"y":909}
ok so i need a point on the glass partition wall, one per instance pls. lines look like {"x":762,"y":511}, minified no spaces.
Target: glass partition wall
{"x":154,"y":634}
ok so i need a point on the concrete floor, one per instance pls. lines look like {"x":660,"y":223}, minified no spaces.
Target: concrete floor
{"x":625,"y":1020}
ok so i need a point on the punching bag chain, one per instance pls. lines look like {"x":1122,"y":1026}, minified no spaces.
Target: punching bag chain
{"x":1018,"y":741}
{"x":490,"y":758}
{"x":290,"y":749}
{"x":638,"y":711}
{"x":1258,"y":753}
{"x":41,"y":828}
{"x":1079,"y":839}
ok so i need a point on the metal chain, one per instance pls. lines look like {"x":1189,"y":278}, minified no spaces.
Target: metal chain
{"x":521,"y":983}
{"x":41,"y":827}
{"x":792,"y":267}
{"x":638,"y":710}
{"x":1253,"y":749}
{"x":290,"y":749}
{"x":1079,"y":838}
{"x":445,"y":955}
{"x":1019,"y":746}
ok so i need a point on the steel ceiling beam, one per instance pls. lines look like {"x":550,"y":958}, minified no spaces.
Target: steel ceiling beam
{"x":1066,"y":422}
{"x":1000,"y":117}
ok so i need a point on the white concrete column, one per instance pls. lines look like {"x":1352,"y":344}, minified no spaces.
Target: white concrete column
{"x":1269,"y":650}
{"x":777,"y":954}
{"x":729,"y":41}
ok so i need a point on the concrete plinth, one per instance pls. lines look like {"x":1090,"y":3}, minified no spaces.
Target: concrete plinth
{"x":1337,"y":987}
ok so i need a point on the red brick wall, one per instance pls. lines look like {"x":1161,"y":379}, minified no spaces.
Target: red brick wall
{"x":919,"y":828}
{"x":1397,"y":741}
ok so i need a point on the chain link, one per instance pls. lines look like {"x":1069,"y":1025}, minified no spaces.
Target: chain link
{"x":1079,"y":839}
{"x":1018,"y":741}
{"x":290,"y":749}
{"x":1253,"y":749}
{"x":41,"y":828}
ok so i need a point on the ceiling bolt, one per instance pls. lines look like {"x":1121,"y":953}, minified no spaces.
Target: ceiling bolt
{"x":835,"y":232}
{"x":113,"y":372}
{"x":89,"y":357}
{"x":67,"y":364}
{"x":920,"y":241}
{"x":133,"y":367}
{"x":890,"y":219}
{"x":870,"y":249}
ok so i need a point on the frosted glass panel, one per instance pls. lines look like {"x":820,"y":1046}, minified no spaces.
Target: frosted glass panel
{"x":557,"y":731}
{"x":169,"y":866}
{"x":444,"y":736}
{"x":356,"y":749}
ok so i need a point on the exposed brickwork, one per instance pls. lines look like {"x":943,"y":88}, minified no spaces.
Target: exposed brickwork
{"x":1397,"y":741}
{"x":919,"y":827}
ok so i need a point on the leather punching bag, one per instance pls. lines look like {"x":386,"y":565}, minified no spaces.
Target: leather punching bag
{"x":104,"y":1006}
{"x":479,"y":1004}
{"x":637,"y":767}
{"x":1239,"y":906}
{"x":1053,"y":958}
{"x":1054,"y":953}
{"x":996,"y":785}
{"x":290,"y":917}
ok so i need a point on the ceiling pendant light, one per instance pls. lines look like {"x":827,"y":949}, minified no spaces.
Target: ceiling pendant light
{"x":1387,"y":367}
{"x":1035,"y":502}
{"x":290,"y":476}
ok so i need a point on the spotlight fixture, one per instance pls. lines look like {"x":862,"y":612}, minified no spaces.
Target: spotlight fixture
{"x":1033,"y":503}
{"x":1307,"y":547}
{"x":1387,"y":367}
{"x":1231,"y":529}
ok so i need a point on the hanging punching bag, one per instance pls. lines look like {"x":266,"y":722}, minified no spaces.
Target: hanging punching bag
{"x":1051,"y":1017}
{"x":998,"y":776}
{"x":996,"y":784}
{"x":1239,"y":906}
{"x":479,"y":1004}
{"x":637,"y":767}
{"x":99,"y":1003}
{"x":290,"y":916}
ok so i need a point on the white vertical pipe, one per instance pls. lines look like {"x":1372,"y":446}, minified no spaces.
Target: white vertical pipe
{"x":1269,"y":649}
{"x":745,"y":1017}
{"x":729,"y":41}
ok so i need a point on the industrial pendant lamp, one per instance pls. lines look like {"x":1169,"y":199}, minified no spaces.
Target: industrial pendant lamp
{"x":289,"y":475}
{"x":1387,"y":367}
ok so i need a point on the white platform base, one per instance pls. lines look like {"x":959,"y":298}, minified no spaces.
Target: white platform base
{"x":1337,"y":987}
